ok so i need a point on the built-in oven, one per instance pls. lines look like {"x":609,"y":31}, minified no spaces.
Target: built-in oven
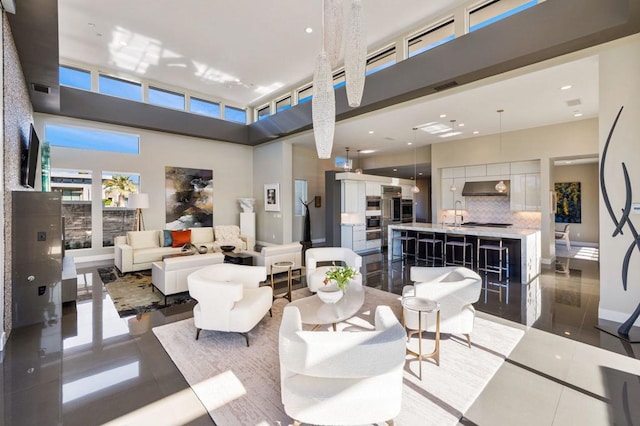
{"x":374,"y":235}
{"x":406,"y":207}
{"x":373,"y":222}
{"x":374,"y":203}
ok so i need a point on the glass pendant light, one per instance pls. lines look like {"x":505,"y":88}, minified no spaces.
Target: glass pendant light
{"x":355,"y":53}
{"x":415,"y":188}
{"x":347,"y":163}
{"x":359,"y":170}
{"x":500,"y":186}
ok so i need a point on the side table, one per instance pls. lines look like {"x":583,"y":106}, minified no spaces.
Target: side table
{"x":280,"y":265}
{"x":422,"y":305}
{"x":238,"y":258}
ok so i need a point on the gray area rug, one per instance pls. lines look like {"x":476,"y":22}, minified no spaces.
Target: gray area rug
{"x":241,"y":385}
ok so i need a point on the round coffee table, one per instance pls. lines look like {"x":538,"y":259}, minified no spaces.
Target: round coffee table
{"x":314,"y":311}
{"x":281,"y":265}
{"x":422,"y":305}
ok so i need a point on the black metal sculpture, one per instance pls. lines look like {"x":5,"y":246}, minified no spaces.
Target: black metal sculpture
{"x":306,"y":236}
{"x":625,"y":328}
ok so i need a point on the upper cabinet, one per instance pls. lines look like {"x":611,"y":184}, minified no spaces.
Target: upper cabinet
{"x":499,"y":170}
{"x":525,"y":186}
{"x":450,"y":197}
{"x":406,"y":191}
{"x":373,"y":189}
{"x":354,"y":199}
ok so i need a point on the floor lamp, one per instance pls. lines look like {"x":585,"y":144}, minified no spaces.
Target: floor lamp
{"x":139,"y":202}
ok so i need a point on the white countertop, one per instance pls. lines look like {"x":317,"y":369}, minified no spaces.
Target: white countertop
{"x":482,"y":231}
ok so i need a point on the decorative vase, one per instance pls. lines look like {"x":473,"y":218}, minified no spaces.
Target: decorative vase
{"x":202,"y":249}
{"x":330,"y":293}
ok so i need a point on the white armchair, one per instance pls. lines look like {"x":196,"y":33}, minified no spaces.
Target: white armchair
{"x":341,"y":377}
{"x":229,"y":235}
{"x":564,"y":235}
{"x":229,"y":298}
{"x":316,"y":274}
{"x":455,"y":288}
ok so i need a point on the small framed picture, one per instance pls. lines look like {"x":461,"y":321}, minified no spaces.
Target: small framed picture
{"x":318,"y":201}
{"x":272,"y":197}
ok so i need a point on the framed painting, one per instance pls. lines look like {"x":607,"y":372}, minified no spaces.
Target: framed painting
{"x":272,"y":197}
{"x":189,"y":197}
{"x":568,"y":205}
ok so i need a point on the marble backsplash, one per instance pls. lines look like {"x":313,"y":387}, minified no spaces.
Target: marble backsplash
{"x":494,"y":209}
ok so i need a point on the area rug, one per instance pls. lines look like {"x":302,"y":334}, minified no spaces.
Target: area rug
{"x":132,"y":292}
{"x":241,"y":385}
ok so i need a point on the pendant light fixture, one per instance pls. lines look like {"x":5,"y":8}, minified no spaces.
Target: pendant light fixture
{"x":500,"y":186}
{"x":347,"y":163}
{"x":453,"y":187}
{"x":359,"y":170}
{"x":355,"y":53}
{"x":332,"y":30}
{"x":323,"y":103}
{"x":415,"y":188}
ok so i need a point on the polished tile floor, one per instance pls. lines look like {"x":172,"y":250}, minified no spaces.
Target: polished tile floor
{"x":87,"y":366}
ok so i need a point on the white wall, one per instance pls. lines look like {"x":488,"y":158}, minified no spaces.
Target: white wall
{"x":232,"y":166}
{"x":619,"y":86}
{"x":578,"y":138}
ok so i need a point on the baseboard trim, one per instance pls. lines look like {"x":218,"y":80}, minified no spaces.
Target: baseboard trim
{"x":3,"y":340}
{"x":615,"y":316}
{"x":94,"y":258}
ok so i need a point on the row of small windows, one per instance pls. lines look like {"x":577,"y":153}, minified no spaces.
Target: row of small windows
{"x":108,"y":85}
{"x":481,"y":16}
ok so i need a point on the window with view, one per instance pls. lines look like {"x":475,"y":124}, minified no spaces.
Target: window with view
{"x":431,"y":38}
{"x":120,"y":88}
{"x":300,"y":187}
{"x":117,"y":218}
{"x":166,"y":98}
{"x":496,"y":10}
{"x":264,"y":112}
{"x":305,"y":94}
{"x":202,"y":107}
{"x":381,"y":60}
{"x":283,"y":104}
{"x":85,"y":138}
{"x":235,"y":114}
{"x":75,"y":189}
{"x":75,"y":77}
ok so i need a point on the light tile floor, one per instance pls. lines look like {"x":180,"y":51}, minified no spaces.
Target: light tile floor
{"x":93,"y":367}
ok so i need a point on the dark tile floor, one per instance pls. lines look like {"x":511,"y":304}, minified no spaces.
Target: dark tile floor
{"x":92,"y":367}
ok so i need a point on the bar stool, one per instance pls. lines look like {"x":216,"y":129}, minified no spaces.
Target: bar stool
{"x":458,"y":240}
{"x":494,"y":245}
{"x":405,"y":238}
{"x":429,"y":238}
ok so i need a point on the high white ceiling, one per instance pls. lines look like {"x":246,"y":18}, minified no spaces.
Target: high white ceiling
{"x":246,"y":52}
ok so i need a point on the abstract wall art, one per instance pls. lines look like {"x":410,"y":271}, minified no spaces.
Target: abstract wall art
{"x":188,"y":197}
{"x":568,"y":208}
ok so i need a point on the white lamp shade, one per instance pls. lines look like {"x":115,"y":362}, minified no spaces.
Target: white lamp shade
{"x":138,"y":201}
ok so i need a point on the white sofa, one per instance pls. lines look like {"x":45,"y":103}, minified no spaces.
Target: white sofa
{"x":316,"y":274}
{"x":291,"y":252}
{"x":170,"y":275}
{"x":139,"y":249}
{"x":229,"y":297}
{"x":342,"y":378}
{"x":455,"y":288}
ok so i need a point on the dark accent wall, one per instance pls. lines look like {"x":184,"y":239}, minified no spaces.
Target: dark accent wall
{"x":332,"y":209}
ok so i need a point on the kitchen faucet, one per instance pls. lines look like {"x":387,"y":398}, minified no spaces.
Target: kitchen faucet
{"x":456,"y":214}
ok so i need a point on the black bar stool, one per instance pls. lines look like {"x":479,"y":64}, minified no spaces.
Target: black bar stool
{"x":429,"y":239}
{"x":496,"y":246}
{"x":458,"y":240}
{"x":405,"y":238}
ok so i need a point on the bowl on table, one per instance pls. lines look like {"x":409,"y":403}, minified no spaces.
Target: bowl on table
{"x":227,"y":249}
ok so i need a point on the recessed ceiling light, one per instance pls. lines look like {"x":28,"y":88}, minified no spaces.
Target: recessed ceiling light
{"x":395,"y":170}
{"x":443,"y":115}
{"x":367,"y":151}
{"x":420,"y":174}
{"x":308,"y":30}
{"x":409,"y":143}
{"x":371,"y":132}
{"x":577,"y":114}
{"x":461,"y":125}
{"x":448,"y":135}
{"x":123,"y":43}
{"x":475,"y":132}
{"x":568,"y":162}
{"x":567,"y":87}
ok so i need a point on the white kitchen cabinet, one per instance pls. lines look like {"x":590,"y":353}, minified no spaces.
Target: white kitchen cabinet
{"x":525,"y":192}
{"x":475,"y":171}
{"x":522,"y":167}
{"x":373,"y":189}
{"x":354,"y":237}
{"x":502,"y":170}
{"x":406,"y":191}
{"x":354,"y":199}
{"x":453,"y":172}
{"x":449,"y":197}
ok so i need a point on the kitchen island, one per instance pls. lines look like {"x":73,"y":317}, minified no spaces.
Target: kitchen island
{"x":528,"y":240}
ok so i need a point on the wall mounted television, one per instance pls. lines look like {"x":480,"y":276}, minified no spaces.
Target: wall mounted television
{"x":30,"y":159}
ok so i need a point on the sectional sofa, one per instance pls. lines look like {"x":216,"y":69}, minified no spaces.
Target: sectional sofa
{"x":137,"y":250}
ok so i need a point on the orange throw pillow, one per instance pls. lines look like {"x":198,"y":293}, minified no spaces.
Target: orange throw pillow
{"x":180,"y":238}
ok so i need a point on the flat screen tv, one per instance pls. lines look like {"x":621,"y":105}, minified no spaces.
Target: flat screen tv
{"x":30,"y":159}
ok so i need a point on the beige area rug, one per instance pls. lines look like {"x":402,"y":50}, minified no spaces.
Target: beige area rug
{"x":240,"y":385}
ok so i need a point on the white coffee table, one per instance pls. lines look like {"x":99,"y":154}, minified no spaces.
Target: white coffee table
{"x":315,"y":312}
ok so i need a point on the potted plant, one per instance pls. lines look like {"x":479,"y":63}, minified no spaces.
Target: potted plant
{"x":336,"y":281}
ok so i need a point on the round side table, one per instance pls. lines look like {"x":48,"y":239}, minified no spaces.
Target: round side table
{"x":281,"y":265}
{"x":422,"y":305}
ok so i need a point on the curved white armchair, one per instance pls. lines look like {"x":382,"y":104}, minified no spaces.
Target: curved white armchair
{"x":343,"y":378}
{"x":315,"y":274}
{"x":229,"y":298}
{"x":455,"y":288}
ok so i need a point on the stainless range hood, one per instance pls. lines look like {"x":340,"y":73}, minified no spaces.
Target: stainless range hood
{"x":485,"y":188}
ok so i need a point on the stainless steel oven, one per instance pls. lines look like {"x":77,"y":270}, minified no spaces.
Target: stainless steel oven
{"x":374,"y":222}
{"x":407,"y":210}
{"x":374,"y":203}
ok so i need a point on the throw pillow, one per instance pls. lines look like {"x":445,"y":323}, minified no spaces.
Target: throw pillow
{"x":180,"y":238}
{"x":167,"y":241}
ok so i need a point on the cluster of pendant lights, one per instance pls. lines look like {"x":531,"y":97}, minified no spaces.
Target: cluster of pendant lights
{"x":323,"y":101}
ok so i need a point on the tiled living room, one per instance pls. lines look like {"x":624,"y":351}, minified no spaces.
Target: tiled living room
{"x":173,"y":155}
